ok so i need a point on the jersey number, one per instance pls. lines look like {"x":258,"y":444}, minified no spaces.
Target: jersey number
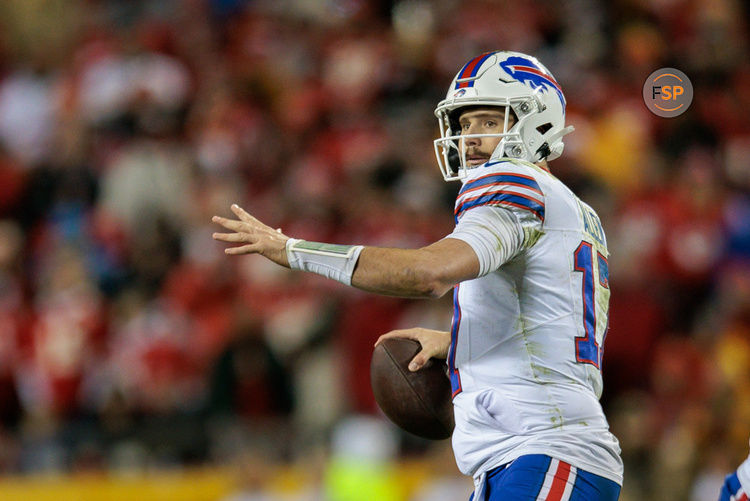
{"x":587,"y":347}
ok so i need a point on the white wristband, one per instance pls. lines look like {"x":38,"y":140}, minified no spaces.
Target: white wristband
{"x":329,"y":260}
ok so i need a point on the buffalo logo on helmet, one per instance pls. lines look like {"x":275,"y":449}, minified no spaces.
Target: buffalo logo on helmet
{"x":526,"y":71}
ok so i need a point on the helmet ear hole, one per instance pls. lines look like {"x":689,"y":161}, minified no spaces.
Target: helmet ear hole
{"x":544,"y":128}
{"x":544,"y":150}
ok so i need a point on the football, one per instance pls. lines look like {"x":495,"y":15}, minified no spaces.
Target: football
{"x":418,"y":402}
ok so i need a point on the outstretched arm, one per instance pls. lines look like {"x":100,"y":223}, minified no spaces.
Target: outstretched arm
{"x":427,"y":272}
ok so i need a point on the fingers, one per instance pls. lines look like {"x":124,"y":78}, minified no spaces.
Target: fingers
{"x":404,"y":333}
{"x":420,"y":358}
{"x":244,"y":249}
{"x":418,"y":361}
{"x":229,"y":224}
{"x":233,"y":237}
{"x":242,"y":214}
{"x":246,"y":223}
{"x":435,"y":344}
{"x":260,"y":238}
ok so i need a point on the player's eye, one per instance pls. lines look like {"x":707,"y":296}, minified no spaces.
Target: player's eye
{"x":490,"y":124}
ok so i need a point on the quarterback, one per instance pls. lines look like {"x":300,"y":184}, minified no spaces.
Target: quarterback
{"x":527,"y":263}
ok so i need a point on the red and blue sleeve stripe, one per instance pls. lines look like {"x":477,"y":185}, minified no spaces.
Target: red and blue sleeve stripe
{"x":504,"y":178}
{"x":503,"y":198}
{"x":470,"y":70}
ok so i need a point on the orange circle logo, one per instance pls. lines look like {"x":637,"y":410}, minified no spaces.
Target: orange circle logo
{"x":668,"y":92}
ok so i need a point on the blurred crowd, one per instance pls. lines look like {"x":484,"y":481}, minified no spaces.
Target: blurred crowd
{"x":128,"y":340}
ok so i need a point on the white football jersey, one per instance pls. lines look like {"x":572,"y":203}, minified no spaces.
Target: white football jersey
{"x":528,"y":334}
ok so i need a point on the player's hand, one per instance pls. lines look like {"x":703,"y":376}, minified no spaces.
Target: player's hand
{"x":257,"y":237}
{"x":434,"y":343}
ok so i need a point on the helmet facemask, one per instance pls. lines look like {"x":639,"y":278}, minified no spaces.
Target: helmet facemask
{"x":450,"y":148}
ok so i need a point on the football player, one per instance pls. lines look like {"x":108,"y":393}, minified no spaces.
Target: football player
{"x":527,"y":263}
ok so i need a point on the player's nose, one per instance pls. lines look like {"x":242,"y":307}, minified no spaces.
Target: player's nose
{"x":472,"y":141}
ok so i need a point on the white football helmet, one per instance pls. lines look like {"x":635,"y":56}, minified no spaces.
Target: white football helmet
{"x":516,"y":82}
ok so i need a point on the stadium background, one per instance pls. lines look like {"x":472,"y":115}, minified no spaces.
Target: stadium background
{"x":138,"y":362}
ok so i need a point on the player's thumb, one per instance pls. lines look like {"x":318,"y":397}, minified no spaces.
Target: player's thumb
{"x":417,"y":362}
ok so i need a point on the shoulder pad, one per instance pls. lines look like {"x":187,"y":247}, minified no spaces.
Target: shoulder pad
{"x":508,"y":183}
